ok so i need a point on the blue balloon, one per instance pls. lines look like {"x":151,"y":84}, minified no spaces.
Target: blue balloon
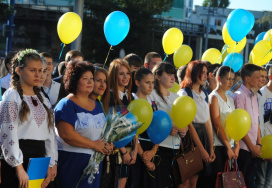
{"x":124,"y":141}
{"x":239,"y":23}
{"x":259,"y":37}
{"x":116,"y":27}
{"x":160,"y":127}
{"x":234,"y":60}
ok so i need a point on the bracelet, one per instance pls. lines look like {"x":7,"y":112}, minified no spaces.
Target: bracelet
{"x":124,"y":153}
{"x":259,"y":145}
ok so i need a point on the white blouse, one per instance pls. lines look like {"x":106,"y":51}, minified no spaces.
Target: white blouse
{"x":225,"y":108}
{"x":52,"y":92}
{"x":203,"y":112}
{"x":35,"y":128}
{"x":170,"y":141}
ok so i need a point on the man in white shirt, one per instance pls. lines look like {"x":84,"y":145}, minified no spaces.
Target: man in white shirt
{"x":264,"y":173}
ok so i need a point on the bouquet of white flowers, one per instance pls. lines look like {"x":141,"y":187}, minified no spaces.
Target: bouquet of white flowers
{"x":118,"y":126}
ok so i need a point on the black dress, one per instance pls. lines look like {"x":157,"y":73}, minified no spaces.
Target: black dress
{"x":109,"y":180}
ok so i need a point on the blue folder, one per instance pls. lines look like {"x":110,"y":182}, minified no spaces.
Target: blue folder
{"x":37,"y":168}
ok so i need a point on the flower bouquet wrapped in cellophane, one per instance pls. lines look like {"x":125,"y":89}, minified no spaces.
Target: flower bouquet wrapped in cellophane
{"x":118,"y":125}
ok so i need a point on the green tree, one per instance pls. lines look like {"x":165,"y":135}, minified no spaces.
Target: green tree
{"x":216,"y":3}
{"x":264,"y":23}
{"x":142,"y":37}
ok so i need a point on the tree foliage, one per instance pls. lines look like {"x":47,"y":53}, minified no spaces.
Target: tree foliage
{"x":142,"y":37}
{"x":264,"y":23}
{"x":216,"y":3}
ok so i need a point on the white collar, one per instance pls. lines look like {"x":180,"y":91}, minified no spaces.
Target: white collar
{"x":121,"y":94}
{"x":148,"y":98}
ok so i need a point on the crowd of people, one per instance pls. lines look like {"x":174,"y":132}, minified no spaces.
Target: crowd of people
{"x":61,"y":112}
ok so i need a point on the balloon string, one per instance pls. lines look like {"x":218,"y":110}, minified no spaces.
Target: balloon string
{"x":239,"y":82}
{"x":63,"y":45}
{"x":224,"y":49}
{"x":165,"y":57}
{"x":107,"y":56}
{"x":232,"y":58}
{"x":264,"y":57}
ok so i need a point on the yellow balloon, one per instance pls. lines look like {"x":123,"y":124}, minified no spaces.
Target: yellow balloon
{"x":183,"y":111}
{"x":262,"y":53}
{"x":226,"y":37}
{"x":69,"y":27}
{"x":212,"y":55}
{"x":143,"y":112}
{"x":250,"y":57}
{"x":267,"y":35}
{"x":266,"y":147}
{"x":238,"y":123}
{"x":172,"y":40}
{"x":224,"y":53}
{"x":183,"y":55}
{"x":175,"y":88}
{"x":237,"y":47}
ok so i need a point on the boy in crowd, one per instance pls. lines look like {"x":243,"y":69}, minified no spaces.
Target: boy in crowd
{"x":264,"y":172}
{"x":50,"y":87}
{"x":250,"y":145}
{"x":134,"y":61}
{"x":151,"y":60}
{"x":211,"y":80}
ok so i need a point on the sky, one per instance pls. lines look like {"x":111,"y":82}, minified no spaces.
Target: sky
{"x":258,"y":5}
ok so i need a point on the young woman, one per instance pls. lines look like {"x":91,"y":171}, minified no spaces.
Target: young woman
{"x":79,"y":120}
{"x":101,"y":88}
{"x":120,"y":96}
{"x":147,"y":172}
{"x":27,"y":123}
{"x":221,"y":105}
{"x":164,"y":79}
{"x":201,"y":128}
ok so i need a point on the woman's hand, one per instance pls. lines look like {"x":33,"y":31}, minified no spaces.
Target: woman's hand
{"x":148,"y":155}
{"x":126,"y":158}
{"x":103,"y":147}
{"x":48,"y":178}
{"x":230,"y":153}
{"x":133,"y":156}
{"x":182,"y":132}
{"x":205,"y":156}
{"x":150,"y":166}
{"x":22,"y":176}
{"x":174,"y":131}
{"x":236,"y":152}
{"x":53,"y":172}
{"x":212,"y":156}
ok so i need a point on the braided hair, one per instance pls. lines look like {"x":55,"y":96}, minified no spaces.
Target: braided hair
{"x":20,"y":60}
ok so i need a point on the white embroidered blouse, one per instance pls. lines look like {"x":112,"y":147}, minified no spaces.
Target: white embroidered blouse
{"x":35,"y":128}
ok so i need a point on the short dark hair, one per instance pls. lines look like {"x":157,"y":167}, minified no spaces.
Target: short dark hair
{"x":74,"y":72}
{"x":61,"y":68}
{"x":9,"y":58}
{"x":151,"y":55}
{"x":46,"y":55}
{"x":134,"y":59}
{"x":72,"y":54}
{"x":181,"y":73}
{"x":248,"y":69}
{"x":213,"y":69}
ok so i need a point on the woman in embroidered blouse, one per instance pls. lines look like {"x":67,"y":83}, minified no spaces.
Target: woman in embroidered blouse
{"x":120,"y":96}
{"x":201,"y":128}
{"x":222,"y":105}
{"x":27,"y":123}
{"x":79,"y":120}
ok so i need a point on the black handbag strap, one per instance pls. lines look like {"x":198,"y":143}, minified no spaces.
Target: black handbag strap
{"x":181,"y":144}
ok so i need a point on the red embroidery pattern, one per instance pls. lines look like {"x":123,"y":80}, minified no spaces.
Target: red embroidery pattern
{"x":11,"y":142}
{"x":39,"y":112}
{"x":6,"y":151}
{"x":5,"y":135}
{"x":11,"y":127}
{"x":12,"y":158}
{"x":8,"y":112}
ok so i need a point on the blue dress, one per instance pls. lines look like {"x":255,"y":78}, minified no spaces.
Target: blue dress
{"x":73,"y":160}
